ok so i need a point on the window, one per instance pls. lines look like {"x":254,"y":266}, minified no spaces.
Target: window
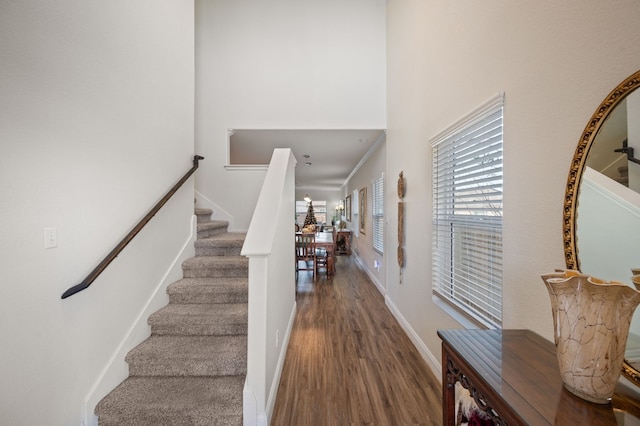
{"x":378,"y":214}
{"x":467,"y":214}
{"x":319,"y":211}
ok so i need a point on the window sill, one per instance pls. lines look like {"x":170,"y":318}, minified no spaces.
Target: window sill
{"x":465,"y":320}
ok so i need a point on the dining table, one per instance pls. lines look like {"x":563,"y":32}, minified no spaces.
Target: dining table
{"x":323,"y":240}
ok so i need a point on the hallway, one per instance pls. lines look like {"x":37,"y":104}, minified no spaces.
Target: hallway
{"x":349,"y":362}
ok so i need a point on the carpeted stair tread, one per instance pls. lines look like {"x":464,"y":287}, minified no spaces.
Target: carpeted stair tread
{"x":189,"y":356}
{"x":203,"y":215}
{"x":215,"y":267}
{"x":211,"y":228}
{"x":212,"y":224}
{"x":209,"y":290}
{"x":202,"y":319}
{"x":236,"y":237}
{"x":227,"y":244}
{"x":175,"y":401}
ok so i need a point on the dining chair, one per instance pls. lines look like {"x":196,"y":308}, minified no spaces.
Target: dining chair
{"x":325,"y":258}
{"x":306,"y":253}
{"x":334,"y":247}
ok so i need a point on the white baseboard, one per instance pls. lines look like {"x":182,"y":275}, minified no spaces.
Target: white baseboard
{"x":372,"y":277}
{"x":426,"y":354}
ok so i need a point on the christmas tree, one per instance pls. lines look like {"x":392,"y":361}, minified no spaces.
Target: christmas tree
{"x":311,"y":217}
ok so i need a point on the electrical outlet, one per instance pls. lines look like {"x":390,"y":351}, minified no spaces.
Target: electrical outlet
{"x":50,"y":237}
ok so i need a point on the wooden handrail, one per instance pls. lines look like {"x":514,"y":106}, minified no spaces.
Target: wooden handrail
{"x":116,"y":251}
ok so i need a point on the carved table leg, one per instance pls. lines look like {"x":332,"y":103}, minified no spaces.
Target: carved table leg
{"x":448,"y":391}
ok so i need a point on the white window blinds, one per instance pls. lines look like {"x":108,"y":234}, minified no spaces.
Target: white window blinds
{"x":467,"y":215}
{"x":378,"y":214}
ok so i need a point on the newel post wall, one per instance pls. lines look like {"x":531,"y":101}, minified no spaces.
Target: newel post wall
{"x":270,"y":245}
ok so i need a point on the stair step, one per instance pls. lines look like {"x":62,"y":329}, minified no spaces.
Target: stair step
{"x":209,"y":290}
{"x":189,"y":356}
{"x":227,"y":244}
{"x":211,"y":228}
{"x":191,"y":370}
{"x":203,"y":215}
{"x":200,"y":319}
{"x":215,"y":267}
{"x":176,"y":401}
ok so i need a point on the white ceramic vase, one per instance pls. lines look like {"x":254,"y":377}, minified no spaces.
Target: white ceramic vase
{"x":591,"y":321}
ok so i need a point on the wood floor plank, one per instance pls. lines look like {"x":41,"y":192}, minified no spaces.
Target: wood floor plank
{"x":349,"y":362}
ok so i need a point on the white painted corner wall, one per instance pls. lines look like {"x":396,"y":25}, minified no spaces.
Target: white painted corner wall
{"x":96,"y":124}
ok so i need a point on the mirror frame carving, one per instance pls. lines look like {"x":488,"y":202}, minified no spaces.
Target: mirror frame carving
{"x":575,"y":176}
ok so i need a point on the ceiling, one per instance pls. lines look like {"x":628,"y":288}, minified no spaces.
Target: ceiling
{"x":332,"y":154}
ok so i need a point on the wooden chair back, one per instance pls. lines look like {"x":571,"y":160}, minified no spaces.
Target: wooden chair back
{"x":306,"y":253}
{"x":326,"y":257}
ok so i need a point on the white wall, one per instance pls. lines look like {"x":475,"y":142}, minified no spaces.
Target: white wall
{"x":555,"y":61}
{"x":282,"y":64}
{"x":362,"y":243}
{"x":96,"y":123}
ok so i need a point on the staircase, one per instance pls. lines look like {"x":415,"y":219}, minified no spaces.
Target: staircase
{"x":191,"y":370}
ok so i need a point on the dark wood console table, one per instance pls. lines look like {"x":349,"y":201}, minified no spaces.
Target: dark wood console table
{"x":513,"y":375}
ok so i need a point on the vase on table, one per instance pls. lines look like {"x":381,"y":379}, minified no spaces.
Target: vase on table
{"x":591,"y":319}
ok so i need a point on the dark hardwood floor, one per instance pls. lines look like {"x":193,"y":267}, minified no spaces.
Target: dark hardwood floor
{"x":349,"y":362}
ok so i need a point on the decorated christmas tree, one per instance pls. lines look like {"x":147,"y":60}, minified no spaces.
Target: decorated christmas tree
{"x":311,"y":217}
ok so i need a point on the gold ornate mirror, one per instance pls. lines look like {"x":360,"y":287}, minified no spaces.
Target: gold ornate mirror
{"x":601,"y":217}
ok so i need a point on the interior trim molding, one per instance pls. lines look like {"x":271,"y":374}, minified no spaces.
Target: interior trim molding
{"x":471,"y":117}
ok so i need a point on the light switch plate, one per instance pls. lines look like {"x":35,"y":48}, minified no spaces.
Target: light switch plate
{"x":50,"y":237}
